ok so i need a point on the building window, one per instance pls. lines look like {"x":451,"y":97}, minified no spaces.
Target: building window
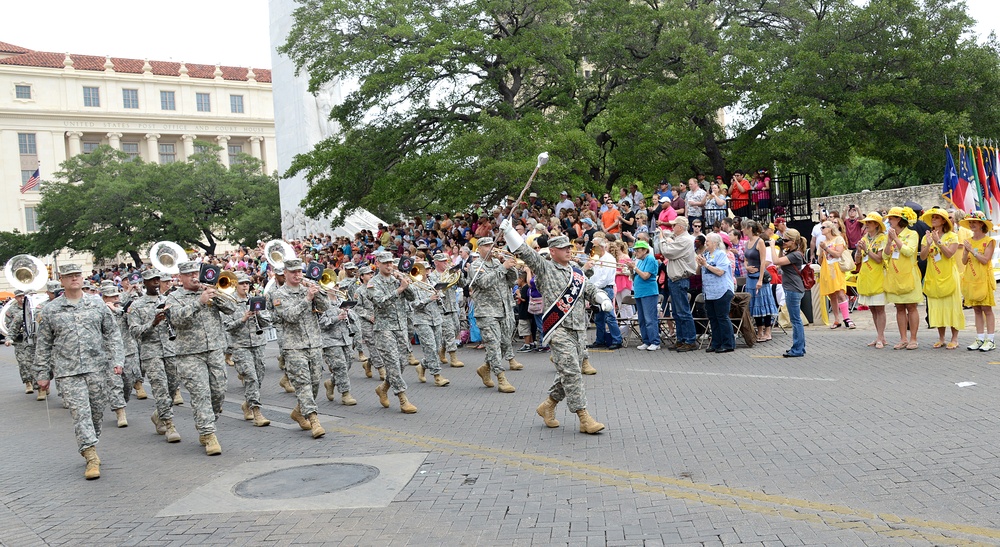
{"x":130,"y":98}
{"x":236,"y":104}
{"x":30,"y":223}
{"x":167,"y":153}
{"x":234,"y":153}
{"x":204,"y":102}
{"x":200,"y":149}
{"x":89,"y":147}
{"x":167,"y":101}
{"x":131,"y":149}
{"x":91,"y":96}
{"x":25,"y":175}
{"x":26,"y":144}
{"x":22,"y":92}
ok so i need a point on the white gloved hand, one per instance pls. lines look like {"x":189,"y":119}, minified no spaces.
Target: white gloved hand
{"x":514,"y":239}
{"x":606,"y":304}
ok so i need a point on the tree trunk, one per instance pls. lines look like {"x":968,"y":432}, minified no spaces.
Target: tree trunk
{"x":136,"y":259}
{"x":712,"y":149}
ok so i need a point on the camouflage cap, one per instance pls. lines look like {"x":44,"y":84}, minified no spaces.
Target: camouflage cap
{"x":67,"y":269}
{"x":440,"y":257}
{"x":166,"y":277}
{"x":53,"y":286}
{"x":350,"y":266}
{"x":293,"y":264}
{"x":150,"y":274}
{"x":483,"y":241}
{"x":110,"y":291}
{"x":189,"y":267}
{"x":559,"y":242}
{"x":242,"y":278}
{"x":364,"y":270}
{"x":18,"y":292}
{"x":385,"y":257}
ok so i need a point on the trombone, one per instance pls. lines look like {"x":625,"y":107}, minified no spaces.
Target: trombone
{"x":225,"y":287}
{"x":328,"y":284}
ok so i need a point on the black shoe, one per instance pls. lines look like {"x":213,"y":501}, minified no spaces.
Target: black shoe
{"x":615,"y":346}
{"x":711,"y":350}
{"x":595,"y":345}
{"x":727,"y":350}
{"x":786,"y":354}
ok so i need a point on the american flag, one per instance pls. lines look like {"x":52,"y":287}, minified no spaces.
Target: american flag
{"x":32,"y":182}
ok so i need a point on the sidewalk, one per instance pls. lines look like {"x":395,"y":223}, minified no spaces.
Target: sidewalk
{"x":847,"y":446}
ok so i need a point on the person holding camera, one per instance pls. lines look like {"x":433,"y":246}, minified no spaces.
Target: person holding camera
{"x":196,"y":315}
{"x":245,"y":327}
{"x":854,"y":227}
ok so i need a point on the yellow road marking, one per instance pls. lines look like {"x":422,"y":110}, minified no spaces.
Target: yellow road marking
{"x":885,"y":524}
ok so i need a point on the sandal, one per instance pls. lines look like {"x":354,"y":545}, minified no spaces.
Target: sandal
{"x":938,"y":345}
{"x":872,"y":343}
{"x":879,"y":345}
{"x":900,"y":345}
{"x":850,"y":324}
{"x":835,"y":326}
{"x":952,"y":345}
{"x":911,"y":345}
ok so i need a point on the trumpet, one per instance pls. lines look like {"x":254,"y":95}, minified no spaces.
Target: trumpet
{"x":621,"y":268}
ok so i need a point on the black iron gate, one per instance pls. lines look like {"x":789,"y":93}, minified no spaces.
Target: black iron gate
{"x":787,"y":197}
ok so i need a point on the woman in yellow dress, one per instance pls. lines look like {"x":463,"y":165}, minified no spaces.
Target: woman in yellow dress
{"x":978,"y":284}
{"x":941,"y":281}
{"x":833,"y":280}
{"x":871,"y":278}
{"x":902,"y":276}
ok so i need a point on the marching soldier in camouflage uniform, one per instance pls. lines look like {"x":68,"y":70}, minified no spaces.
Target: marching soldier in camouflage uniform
{"x":568,"y":338}
{"x":77,"y":335}
{"x":491,"y":282}
{"x":427,"y":319}
{"x":148,"y":324}
{"x":337,"y":340}
{"x":350,"y":285}
{"x":167,"y":286}
{"x":118,"y":381}
{"x":389,"y":293}
{"x":24,"y":346}
{"x":366,"y":317}
{"x":295,"y":306}
{"x":196,"y":314}
{"x":449,"y":308}
{"x":247,"y":348}
{"x":279,"y":281}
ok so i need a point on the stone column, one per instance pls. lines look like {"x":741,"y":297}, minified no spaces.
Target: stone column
{"x":188,"y":145}
{"x":255,"y":146}
{"x":115,"y":140}
{"x":153,"y":149}
{"x":223,"y":141}
{"x":74,"y":142}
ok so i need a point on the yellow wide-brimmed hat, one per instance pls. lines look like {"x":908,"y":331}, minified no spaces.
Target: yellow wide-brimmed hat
{"x":977,"y":216}
{"x":937,"y":211}
{"x":876,"y":218}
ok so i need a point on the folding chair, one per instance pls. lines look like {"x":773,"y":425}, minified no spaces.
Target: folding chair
{"x":702,"y":325}
{"x":665,"y":321}
{"x":629,"y":326}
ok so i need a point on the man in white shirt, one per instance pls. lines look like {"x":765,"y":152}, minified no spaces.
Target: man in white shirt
{"x":566,"y":203}
{"x":608,"y":334}
{"x":817,"y":234}
{"x":636,"y":196}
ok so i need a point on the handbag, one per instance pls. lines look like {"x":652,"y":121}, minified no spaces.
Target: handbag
{"x":808,"y":276}
{"x":535,"y":305}
{"x":846,"y":261}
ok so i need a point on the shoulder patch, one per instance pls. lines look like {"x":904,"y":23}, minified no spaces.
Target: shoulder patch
{"x":371,"y":285}
{"x":277,"y":302}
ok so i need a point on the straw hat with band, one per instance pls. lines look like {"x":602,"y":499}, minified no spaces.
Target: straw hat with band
{"x":977,"y":216}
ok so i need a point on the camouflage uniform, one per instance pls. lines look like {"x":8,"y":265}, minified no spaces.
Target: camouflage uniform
{"x":200,"y":343}
{"x":156,"y":353}
{"x":570,"y":338}
{"x":449,"y":310}
{"x":336,"y":342}
{"x":301,"y":341}
{"x":366,"y":317}
{"x":24,"y":349}
{"x":80,"y":339}
{"x":247,"y":348}
{"x":350,"y":286}
{"x":119,"y":383}
{"x":427,"y":319}
{"x":390,"y":326}
{"x":494,"y":309}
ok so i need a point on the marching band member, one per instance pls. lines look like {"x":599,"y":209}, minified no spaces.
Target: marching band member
{"x":491,"y":281}
{"x":167,"y":286}
{"x":366,"y":316}
{"x":24,"y":345}
{"x":449,"y":308}
{"x":118,"y":380}
{"x":427,"y":319}
{"x":247,"y":347}
{"x":196,"y":315}
{"x":149,"y":324}
{"x":563,"y":286}
{"x":389,"y":293}
{"x":294,"y":306}
{"x":79,"y":337}
{"x":335,"y":326}
{"x":277,"y":282}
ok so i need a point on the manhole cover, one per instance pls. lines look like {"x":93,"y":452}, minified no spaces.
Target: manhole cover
{"x":306,"y":481}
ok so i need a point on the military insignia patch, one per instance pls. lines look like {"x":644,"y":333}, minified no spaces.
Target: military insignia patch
{"x":277,"y":302}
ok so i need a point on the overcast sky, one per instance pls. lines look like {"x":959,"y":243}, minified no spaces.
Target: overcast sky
{"x":195,"y":31}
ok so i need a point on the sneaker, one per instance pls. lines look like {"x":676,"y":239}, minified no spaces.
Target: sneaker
{"x":653,"y":347}
{"x":615,"y":346}
{"x":543,"y":349}
{"x":641,"y":347}
{"x":988,"y":345}
{"x":525,"y":348}
{"x":976,"y":345}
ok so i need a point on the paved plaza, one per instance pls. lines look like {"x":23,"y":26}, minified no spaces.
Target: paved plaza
{"x":847,"y":446}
